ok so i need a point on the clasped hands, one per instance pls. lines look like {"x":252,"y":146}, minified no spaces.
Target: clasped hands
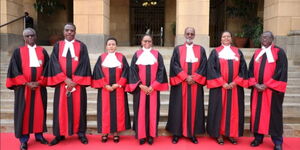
{"x":32,"y":85}
{"x":112,"y":87}
{"x":260,"y":87}
{"x":70,"y":84}
{"x":146,"y":89}
{"x":229,"y":86}
{"x":190,"y":80}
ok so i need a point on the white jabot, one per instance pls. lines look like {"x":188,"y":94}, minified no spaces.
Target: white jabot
{"x":190,"y":56}
{"x":69,"y":46}
{"x":268,"y":52}
{"x":111,"y":61}
{"x":146,"y":58}
{"x":228,"y":54}
{"x":33,"y":60}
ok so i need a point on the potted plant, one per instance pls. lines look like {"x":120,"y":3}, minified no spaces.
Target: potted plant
{"x":240,"y":39}
{"x":253,"y":30}
{"x":48,"y":7}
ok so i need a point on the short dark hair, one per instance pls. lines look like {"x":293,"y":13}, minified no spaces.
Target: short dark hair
{"x":111,"y":38}
{"x":226,"y":31}
{"x":272,"y":36}
{"x":70,"y":23}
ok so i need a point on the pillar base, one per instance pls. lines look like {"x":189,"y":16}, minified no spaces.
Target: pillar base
{"x":94,"y":42}
{"x":10,"y":42}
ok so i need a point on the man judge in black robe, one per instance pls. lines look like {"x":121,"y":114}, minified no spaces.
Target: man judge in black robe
{"x":70,"y":73}
{"x":268,"y":79}
{"x":24,"y":76}
{"x":187,"y":78}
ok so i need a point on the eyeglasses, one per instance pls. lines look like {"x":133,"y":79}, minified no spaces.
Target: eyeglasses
{"x":147,"y":41}
{"x":192,"y":34}
{"x":31,"y":35}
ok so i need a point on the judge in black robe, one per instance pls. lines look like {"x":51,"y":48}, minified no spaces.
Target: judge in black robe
{"x":268,"y":79}
{"x":187,"y":78}
{"x":226,"y":77}
{"x":110,"y":76}
{"x":70,"y":73}
{"x":147,"y":77}
{"x":25,"y":77}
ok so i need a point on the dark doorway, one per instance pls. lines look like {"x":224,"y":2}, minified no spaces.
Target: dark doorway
{"x":147,"y":16}
{"x":217,"y":21}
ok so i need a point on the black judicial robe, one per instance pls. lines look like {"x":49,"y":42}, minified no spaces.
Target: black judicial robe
{"x":146,"y":107}
{"x":30,"y":105}
{"x":112,"y":107}
{"x":226,"y":107}
{"x":266,"y":106}
{"x":186,"y":106}
{"x":69,"y":110}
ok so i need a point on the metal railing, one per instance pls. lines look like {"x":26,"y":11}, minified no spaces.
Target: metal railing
{"x":17,"y":19}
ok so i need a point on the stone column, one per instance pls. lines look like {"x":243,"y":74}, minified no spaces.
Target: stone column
{"x":91,"y":18}
{"x":281,"y":17}
{"x":293,"y":45}
{"x":11,"y":35}
{"x":193,"y":13}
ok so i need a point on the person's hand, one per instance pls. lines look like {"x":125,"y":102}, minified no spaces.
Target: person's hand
{"x":150,"y":90}
{"x":108,"y":88}
{"x":232,"y":85}
{"x":260,"y":87}
{"x":190,"y":80}
{"x":115,"y":86}
{"x":70,"y":83}
{"x":32,"y":85}
{"x":226,"y":86}
{"x":144,"y":88}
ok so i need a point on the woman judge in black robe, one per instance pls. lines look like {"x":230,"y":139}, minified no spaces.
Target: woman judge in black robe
{"x":226,"y":78}
{"x":147,"y":77}
{"x":110,"y":77}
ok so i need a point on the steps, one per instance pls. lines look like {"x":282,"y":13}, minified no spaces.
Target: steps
{"x":291,"y":105}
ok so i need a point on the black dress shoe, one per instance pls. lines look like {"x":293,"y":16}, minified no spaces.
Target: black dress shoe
{"x":278,"y":147}
{"x":42,"y":140}
{"x":175,"y":139}
{"x":194,"y":140}
{"x":23,"y":146}
{"x":232,"y":140}
{"x":150,"y":140}
{"x":220,"y":141}
{"x":104,"y":138}
{"x":255,"y":143}
{"x":83,"y":139}
{"x":142,"y":141}
{"x":116,"y":139}
{"x":56,"y":140}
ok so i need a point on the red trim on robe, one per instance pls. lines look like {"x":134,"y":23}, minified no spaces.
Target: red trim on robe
{"x":241,"y":82}
{"x":160,"y":86}
{"x":218,"y":82}
{"x":276,"y":85}
{"x":122,"y":81}
{"x":18,"y":80}
{"x":100,"y":83}
{"x":81,"y":80}
{"x":57,"y":79}
{"x":199,"y":78}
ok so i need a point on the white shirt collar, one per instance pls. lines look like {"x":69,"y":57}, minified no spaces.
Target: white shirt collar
{"x":146,"y":58}
{"x":69,"y":46}
{"x":227,"y":53}
{"x":111,"y":61}
{"x":33,"y":59}
{"x":190,"y":56}
{"x":268,"y":51}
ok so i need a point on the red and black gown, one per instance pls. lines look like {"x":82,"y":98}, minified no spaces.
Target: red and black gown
{"x":226,"y":107}
{"x":112,"y":107}
{"x":186,"y":106}
{"x":69,"y":110}
{"x":30,"y":105}
{"x":146,"y":107}
{"x":266,"y":106}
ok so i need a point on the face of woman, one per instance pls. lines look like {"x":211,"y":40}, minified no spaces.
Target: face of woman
{"x":147,"y":42}
{"x":226,"y":39}
{"x":111,"y":46}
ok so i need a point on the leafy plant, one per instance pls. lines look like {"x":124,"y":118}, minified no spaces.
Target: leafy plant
{"x":48,"y":7}
{"x":240,"y":34}
{"x":253,"y":30}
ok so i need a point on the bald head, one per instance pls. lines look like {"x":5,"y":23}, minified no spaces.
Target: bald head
{"x":266,"y":38}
